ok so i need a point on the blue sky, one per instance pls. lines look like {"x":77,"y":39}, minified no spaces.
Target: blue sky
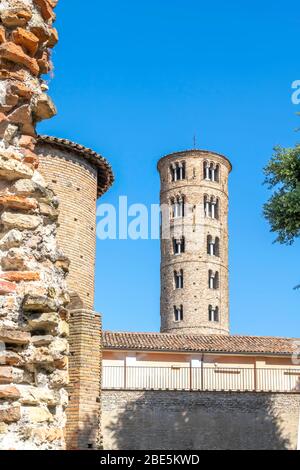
{"x":135,"y":80}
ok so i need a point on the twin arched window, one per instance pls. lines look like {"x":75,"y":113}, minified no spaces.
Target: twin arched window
{"x":178,"y":278}
{"x":213,"y":246}
{"x":213,"y":314}
{"x":177,"y":207}
{"x":178,"y":313}
{"x":178,"y":246}
{"x":211,"y":171}
{"x":213,"y":279}
{"x":211,"y":207}
{"x":177,"y":171}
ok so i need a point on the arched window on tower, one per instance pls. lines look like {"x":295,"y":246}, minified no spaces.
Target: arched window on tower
{"x":210,"y":245}
{"x":177,"y":207}
{"x":217,"y":173}
{"x":206,"y":174}
{"x":217,"y":247}
{"x":178,"y":171}
{"x":207,"y":206}
{"x":178,"y":276}
{"x":178,"y":246}
{"x":211,"y":207}
{"x":173,"y":173}
{"x":211,"y":171}
{"x":214,"y":208}
{"x":178,"y":313}
{"x":213,"y":314}
{"x":213,"y":279}
{"x":213,"y":246}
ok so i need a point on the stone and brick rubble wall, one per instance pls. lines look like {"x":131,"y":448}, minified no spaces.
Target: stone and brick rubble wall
{"x":33,"y":294}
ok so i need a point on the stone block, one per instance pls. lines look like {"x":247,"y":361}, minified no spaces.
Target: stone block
{"x":16,"y":17}
{"x":43,"y":107}
{"x":18,"y":202}
{"x":20,"y":221}
{"x":12,"y":52}
{"x":10,"y":414}
{"x":9,"y":392}
{"x":26,"y":39}
{"x":39,"y":303}
{"x":12,"y":169}
{"x":14,"y":336}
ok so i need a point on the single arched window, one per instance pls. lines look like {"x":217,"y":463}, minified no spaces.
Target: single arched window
{"x":178,"y":313}
{"x":213,"y":314}
{"x":178,"y":276}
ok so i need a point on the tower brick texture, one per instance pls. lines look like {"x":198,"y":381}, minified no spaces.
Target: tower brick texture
{"x":194,"y":242}
{"x":78,"y":176}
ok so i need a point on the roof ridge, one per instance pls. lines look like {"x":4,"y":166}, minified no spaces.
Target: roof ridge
{"x":153,"y":333}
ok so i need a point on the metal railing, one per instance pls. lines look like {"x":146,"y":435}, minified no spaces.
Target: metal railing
{"x":202,"y":378}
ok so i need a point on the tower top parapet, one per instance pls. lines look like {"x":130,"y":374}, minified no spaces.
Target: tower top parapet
{"x":196,"y":153}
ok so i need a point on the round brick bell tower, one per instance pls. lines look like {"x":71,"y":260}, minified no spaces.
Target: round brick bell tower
{"x":194,"y":243}
{"x":79,"y":176}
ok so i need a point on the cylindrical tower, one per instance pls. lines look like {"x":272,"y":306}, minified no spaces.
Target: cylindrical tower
{"x":78,"y":176}
{"x":194,"y":242}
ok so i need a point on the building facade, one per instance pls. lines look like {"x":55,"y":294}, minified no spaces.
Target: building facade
{"x":194,"y":242}
{"x":169,"y":391}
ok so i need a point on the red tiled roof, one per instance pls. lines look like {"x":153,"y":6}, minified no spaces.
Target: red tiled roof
{"x":200,"y":343}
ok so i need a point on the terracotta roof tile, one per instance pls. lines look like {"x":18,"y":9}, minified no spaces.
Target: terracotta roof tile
{"x":200,"y":343}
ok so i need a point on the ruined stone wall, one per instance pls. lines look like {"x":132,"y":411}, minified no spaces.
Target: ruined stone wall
{"x":154,"y":420}
{"x":195,"y":263}
{"x":33,"y":297}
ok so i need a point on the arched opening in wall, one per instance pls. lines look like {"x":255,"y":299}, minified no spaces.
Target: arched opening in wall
{"x":217,"y":247}
{"x":213,"y":314}
{"x":217,"y":173}
{"x":210,"y":245}
{"x":205,"y":170}
{"x":178,"y":279}
{"x":178,"y":246}
{"x":217,"y":209}
{"x":178,"y":313}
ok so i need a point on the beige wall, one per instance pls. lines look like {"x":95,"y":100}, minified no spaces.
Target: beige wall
{"x":160,"y":359}
{"x":167,"y":371}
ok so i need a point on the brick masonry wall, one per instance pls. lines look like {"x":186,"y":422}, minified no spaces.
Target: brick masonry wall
{"x":195,"y":262}
{"x":83,"y":412}
{"x":199,"y":420}
{"x":75,"y":183}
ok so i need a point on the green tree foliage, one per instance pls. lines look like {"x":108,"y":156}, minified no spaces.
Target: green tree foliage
{"x":283,"y":208}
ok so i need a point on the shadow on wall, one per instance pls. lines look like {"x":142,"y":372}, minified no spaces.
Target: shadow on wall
{"x":199,"y":421}
{"x":87,"y":437}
